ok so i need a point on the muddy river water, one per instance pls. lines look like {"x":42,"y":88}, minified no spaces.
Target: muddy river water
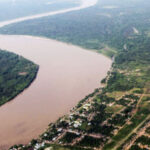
{"x":67,"y":74}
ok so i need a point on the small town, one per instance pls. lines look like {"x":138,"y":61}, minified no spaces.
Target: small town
{"x":99,"y":119}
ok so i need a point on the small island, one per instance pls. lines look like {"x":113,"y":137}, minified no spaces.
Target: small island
{"x":16,"y":74}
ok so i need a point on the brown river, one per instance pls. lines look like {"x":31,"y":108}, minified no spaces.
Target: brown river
{"x":67,"y":74}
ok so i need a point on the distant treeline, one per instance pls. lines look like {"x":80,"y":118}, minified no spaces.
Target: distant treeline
{"x":115,"y":24}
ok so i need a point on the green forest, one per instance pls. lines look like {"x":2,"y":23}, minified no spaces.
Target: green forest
{"x":16,"y":74}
